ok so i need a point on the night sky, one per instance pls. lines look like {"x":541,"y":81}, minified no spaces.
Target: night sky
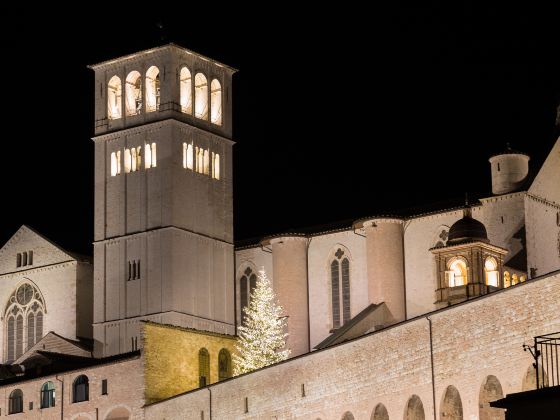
{"x":338,"y":113}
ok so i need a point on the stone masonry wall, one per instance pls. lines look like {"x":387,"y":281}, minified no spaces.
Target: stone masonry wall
{"x":470,"y":341}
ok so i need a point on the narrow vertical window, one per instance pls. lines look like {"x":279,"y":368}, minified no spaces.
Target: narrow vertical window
{"x":138,"y":158}
{"x":206,"y":162}
{"x":186,"y":90}
{"x":30,"y":330}
{"x":185,"y":155}
{"x":147,"y":156}
{"x":127,"y":161}
{"x":19,"y":336}
{"x":30,"y":257}
{"x":104,"y":387}
{"x":114,"y":98}
{"x":118,"y":162}
{"x":200,"y":96}
{"x":113,"y":164}
{"x":152,"y":89}
{"x":243,"y":297}
{"x":154,"y":155}
{"x":129,"y":270}
{"x":133,"y":93}
{"x":217,"y":166}
{"x":224,"y":365}
{"x":216,"y":102}
{"x":335,"y":289}
{"x":133,"y":159}
{"x":18,"y":260}
{"x":38,"y":326}
{"x":345,"y":290}
{"x":190,"y":157}
{"x":11,"y":338}
{"x":203,"y":367}
{"x":138,"y":269}
{"x":24,"y":259}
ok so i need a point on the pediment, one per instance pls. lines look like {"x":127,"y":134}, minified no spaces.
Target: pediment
{"x":26,"y":240}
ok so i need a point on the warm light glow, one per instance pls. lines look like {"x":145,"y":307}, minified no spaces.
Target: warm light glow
{"x":186,"y":90}
{"x":154,"y":155}
{"x":133,"y":159}
{"x":147,"y":156}
{"x":206,"y":162}
{"x":114,"y":98}
{"x":152,"y":89}
{"x":187,"y":156}
{"x":113,"y":164}
{"x":522,"y":279}
{"x":200,"y":96}
{"x":507,"y":279}
{"x":216,"y":102}
{"x":457,"y":274}
{"x":133,"y":93}
{"x":118,"y":162}
{"x":492,"y":275}
{"x":216,"y":171}
{"x":514,"y":279}
{"x":127,"y":161}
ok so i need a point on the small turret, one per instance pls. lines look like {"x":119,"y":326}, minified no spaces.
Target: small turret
{"x":509,"y":171}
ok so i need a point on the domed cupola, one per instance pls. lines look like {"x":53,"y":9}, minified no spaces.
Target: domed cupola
{"x":468,"y":265}
{"x":467,"y":229}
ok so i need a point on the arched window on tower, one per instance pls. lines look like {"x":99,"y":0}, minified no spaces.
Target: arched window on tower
{"x":224,"y":365}
{"x":247,"y":285}
{"x":456,"y":274}
{"x":216,"y":102}
{"x":206,"y":162}
{"x":188,"y":156}
{"x":340,"y":288}
{"x":200,"y":96}
{"x":203,"y":367}
{"x":150,"y":156}
{"x":114,"y":98}
{"x":216,"y":166}
{"x":133,"y":92}
{"x":491,"y":272}
{"x":152,"y":89}
{"x":186,"y":90}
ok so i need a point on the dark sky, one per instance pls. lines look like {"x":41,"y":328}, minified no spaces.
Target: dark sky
{"x":338,"y":113}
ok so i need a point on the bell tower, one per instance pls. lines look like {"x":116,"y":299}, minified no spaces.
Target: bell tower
{"x":163,"y":230}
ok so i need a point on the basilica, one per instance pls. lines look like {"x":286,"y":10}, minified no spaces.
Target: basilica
{"x":406,"y":315}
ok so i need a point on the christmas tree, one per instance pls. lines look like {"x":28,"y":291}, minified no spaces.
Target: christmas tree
{"x":262,"y":338}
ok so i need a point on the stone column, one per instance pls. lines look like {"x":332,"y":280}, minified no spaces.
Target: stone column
{"x":385,"y":264}
{"x":289,"y":259}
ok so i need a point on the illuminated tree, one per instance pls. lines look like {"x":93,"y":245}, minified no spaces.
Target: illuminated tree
{"x":262,"y":339}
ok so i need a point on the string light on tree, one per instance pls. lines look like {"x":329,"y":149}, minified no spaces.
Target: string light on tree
{"x":262,"y":339}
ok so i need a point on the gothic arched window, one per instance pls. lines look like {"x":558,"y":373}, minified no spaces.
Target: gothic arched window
{"x":114,"y":98}
{"x":247,"y":284}
{"x":185,"y":86}
{"x":203,"y":367}
{"x":224,"y":365}
{"x":216,"y":102}
{"x":152,"y":89}
{"x":340,"y":288}
{"x":80,"y":389}
{"x":215,"y":166}
{"x":200,"y":96}
{"x":133,"y":92}
{"x":24,"y":325}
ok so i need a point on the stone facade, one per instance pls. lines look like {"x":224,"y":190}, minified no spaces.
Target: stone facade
{"x":171,"y":358}
{"x":62,"y":280}
{"x":466,"y":344}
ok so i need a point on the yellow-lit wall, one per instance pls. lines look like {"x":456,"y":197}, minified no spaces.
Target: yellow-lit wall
{"x":171,"y":358}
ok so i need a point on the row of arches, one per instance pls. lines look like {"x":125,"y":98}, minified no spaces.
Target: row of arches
{"x":138,"y":99}
{"x":451,"y":405}
{"x":200,"y":160}
{"x":133,"y":159}
{"x":457,"y":273}
{"x":47,"y":397}
{"x":224,"y":366}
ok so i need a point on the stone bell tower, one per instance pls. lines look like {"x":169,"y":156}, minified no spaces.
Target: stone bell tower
{"x":163,"y":235}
